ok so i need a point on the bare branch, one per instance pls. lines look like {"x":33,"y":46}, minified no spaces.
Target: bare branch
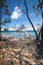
{"x":26,"y":7}
{"x":22,"y":10}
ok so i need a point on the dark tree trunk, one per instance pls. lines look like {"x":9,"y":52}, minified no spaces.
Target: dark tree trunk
{"x":42,"y":33}
{"x":37,"y":37}
{"x":0,"y":20}
{"x":0,"y":29}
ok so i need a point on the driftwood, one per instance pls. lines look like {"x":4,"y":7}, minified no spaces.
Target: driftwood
{"x":22,"y":58}
{"x":19,"y":52}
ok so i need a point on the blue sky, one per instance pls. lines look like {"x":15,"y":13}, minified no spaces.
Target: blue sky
{"x":18,"y":17}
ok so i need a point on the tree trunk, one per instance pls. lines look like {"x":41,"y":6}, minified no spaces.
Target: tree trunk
{"x":42,"y":33}
{"x":0,"y":21}
{"x":33,"y":27}
{"x":0,"y":30}
{"x":41,"y":30}
{"x":41,"y":10}
{"x":37,"y":37}
{"x":42,"y":26}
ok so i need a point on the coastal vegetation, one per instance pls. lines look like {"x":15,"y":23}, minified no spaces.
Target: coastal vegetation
{"x":38,"y":8}
{"x":4,"y":10}
{"x":6,"y":29}
{"x":21,"y":51}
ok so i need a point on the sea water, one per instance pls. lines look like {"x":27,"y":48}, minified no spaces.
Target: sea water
{"x":20,"y":34}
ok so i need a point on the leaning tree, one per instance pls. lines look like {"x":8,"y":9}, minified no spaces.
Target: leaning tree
{"x":4,"y":10}
{"x":39,"y":8}
{"x":26,"y":11}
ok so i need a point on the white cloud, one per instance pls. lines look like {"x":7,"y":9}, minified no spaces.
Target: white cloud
{"x":16,"y":13}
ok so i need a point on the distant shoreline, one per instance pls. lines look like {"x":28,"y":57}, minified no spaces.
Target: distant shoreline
{"x":18,"y":31}
{"x":18,"y":34}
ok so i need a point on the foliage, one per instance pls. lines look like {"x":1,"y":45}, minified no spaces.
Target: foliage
{"x":4,"y":7}
{"x":6,"y":29}
{"x":39,"y":9}
{"x":26,"y":11}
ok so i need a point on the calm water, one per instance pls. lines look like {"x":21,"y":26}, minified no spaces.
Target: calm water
{"x":18,"y":34}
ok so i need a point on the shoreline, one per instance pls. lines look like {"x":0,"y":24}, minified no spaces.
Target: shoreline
{"x":19,"y":34}
{"x":14,"y":38}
